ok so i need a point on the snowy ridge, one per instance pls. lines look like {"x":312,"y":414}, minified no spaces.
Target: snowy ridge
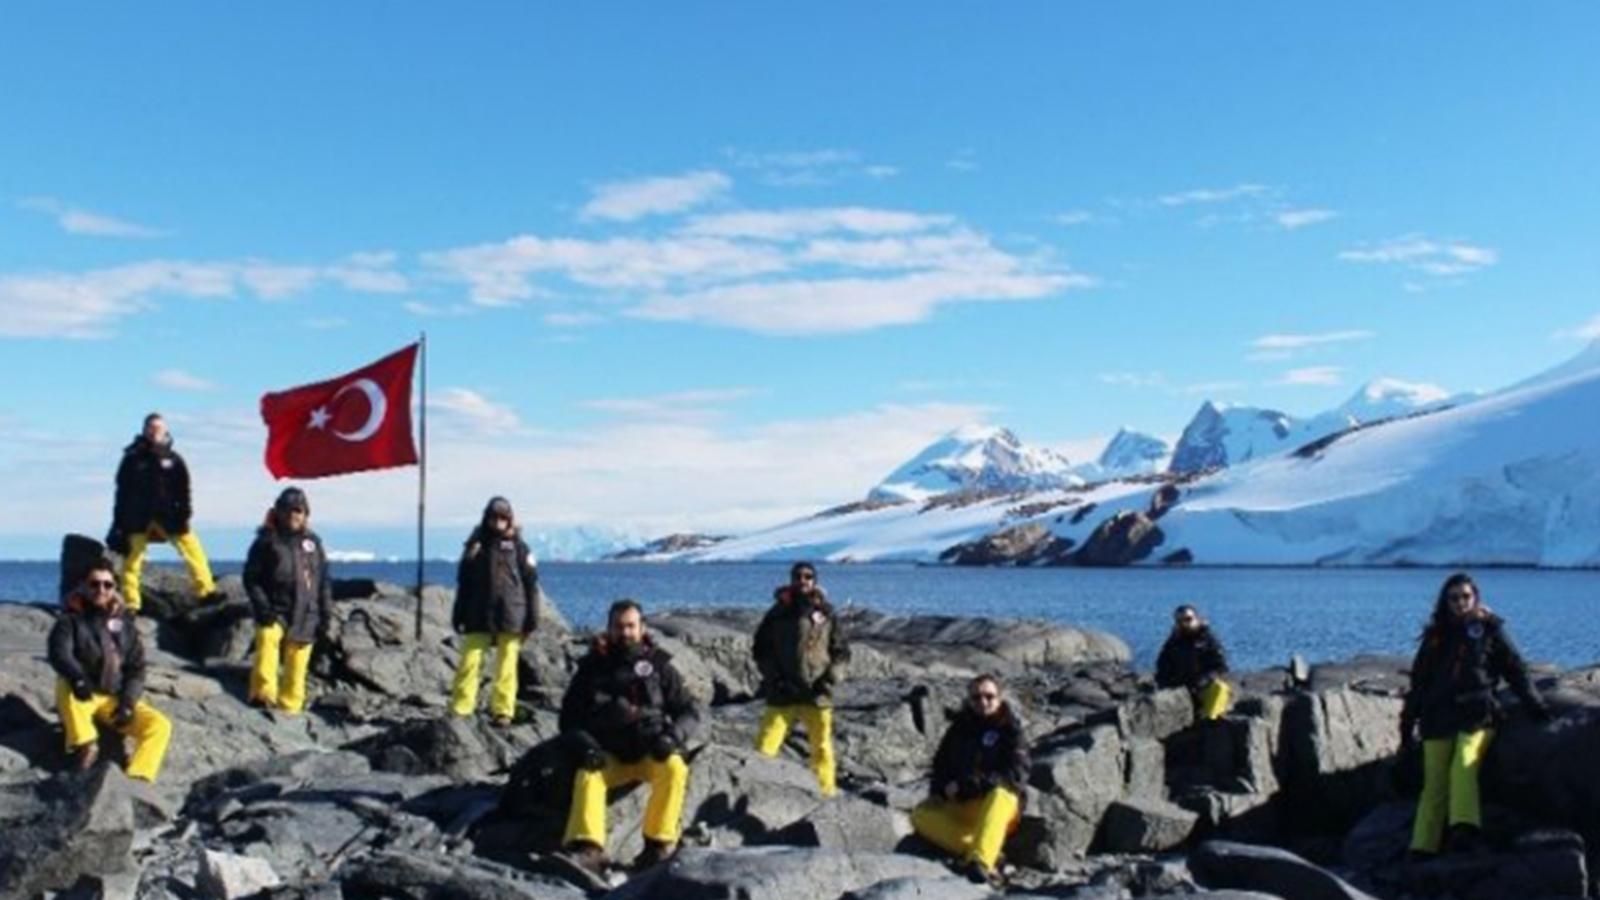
{"x":975,"y":458}
{"x":1127,"y":453}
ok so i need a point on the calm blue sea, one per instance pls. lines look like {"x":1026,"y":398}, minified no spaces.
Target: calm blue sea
{"x":1263,"y":615}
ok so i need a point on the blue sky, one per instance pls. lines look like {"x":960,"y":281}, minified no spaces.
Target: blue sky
{"x":714,"y":265}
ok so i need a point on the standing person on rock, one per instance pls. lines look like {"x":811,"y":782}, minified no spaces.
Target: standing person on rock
{"x":1463,"y":654}
{"x":497,"y":604}
{"x":153,"y":504}
{"x":801,"y":652}
{"x":1192,"y":658}
{"x":291,"y":596}
{"x":628,"y":717}
{"x":979,"y":771}
{"x":98,"y":657}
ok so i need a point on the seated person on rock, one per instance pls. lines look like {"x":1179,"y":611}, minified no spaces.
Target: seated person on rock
{"x":291,"y":597}
{"x":497,"y":605}
{"x":627,"y":716}
{"x":99,"y":662}
{"x":1192,"y":658}
{"x":1464,"y":652}
{"x":979,"y":772}
{"x":801,"y":652}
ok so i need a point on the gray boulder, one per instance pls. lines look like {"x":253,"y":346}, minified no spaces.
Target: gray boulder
{"x":1146,"y":826}
{"x":1082,"y":770}
{"x":63,"y":828}
{"x":229,"y":876}
{"x":774,"y":873}
{"x":437,"y":876}
{"x":1222,"y":864}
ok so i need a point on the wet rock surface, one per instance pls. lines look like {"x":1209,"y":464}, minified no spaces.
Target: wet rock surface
{"x":377,"y":792}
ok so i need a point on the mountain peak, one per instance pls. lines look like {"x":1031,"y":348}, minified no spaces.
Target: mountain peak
{"x":975,"y":457}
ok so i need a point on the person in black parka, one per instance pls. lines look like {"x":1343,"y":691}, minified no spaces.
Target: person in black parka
{"x":1192,"y":658}
{"x":153,"y":505}
{"x":1463,"y":655}
{"x":291,"y":597}
{"x":497,"y":604}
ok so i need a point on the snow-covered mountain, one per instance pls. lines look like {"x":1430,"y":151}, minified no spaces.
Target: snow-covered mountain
{"x":1127,"y":453}
{"x":1226,"y":435}
{"x":1586,"y":361}
{"x":980,"y":458}
{"x":580,"y":543}
{"x":1510,"y":478}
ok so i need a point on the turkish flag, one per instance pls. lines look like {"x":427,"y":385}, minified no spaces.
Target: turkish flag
{"x":352,"y":423}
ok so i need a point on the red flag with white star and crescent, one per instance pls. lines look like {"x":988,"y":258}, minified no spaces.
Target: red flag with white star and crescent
{"x":352,"y":423}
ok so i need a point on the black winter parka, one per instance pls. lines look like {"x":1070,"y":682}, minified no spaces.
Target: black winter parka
{"x":980,"y":754}
{"x":1190,"y":659}
{"x":800,"y":649}
{"x":497,"y":586}
{"x":152,"y":489}
{"x":79,"y":644}
{"x":286,"y":579}
{"x":624,"y":698}
{"x":1455,"y":673}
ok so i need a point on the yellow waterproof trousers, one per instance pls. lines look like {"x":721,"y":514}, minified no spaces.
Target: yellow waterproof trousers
{"x":669,"y":784}
{"x":1213,"y":700}
{"x":188,"y":547}
{"x":151,"y":731}
{"x":464,"y":693}
{"x":287,"y":692}
{"x":1449,"y":786}
{"x":970,"y":829}
{"x":818,"y":720}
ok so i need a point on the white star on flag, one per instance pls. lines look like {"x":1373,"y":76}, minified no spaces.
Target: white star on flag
{"x":319,"y":417}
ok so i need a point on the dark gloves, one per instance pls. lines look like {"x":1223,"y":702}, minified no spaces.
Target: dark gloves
{"x":117,"y":541}
{"x":586,"y":752}
{"x":123,"y":715}
{"x":82,"y":690}
{"x":823,"y":686}
{"x":1408,"y":731}
{"x":665,"y":744}
{"x":267,"y":621}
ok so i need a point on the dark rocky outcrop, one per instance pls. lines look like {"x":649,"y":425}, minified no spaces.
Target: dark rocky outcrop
{"x":1022,"y":545}
{"x":1122,"y":540}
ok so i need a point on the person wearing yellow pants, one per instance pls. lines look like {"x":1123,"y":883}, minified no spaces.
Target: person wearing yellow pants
{"x":978,"y":775}
{"x":1192,"y":658}
{"x":291,"y":597}
{"x":98,"y":658}
{"x":626,"y":717}
{"x":1462,"y":656}
{"x":153,"y":505}
{"x":801,"y":652}
{"x":497,"y":605}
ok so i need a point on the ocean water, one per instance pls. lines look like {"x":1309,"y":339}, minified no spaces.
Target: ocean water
{"x":1262,"y":615}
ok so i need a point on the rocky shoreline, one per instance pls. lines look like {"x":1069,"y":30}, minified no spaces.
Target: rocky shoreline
{"x":375,"y":792}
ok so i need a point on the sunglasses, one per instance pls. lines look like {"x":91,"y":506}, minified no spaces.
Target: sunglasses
{"x":985,"y":695}
{"x":805,"y":577}
{"x":98,"y":584}
{"x":1187,"y":620}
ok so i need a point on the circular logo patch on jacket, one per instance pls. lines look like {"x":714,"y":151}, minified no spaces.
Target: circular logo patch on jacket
{"x":818,"y":616}
{"x":1475,"y":631}
{"x":990,"y":738}
{"x":308,"y":545}
{"x":507,"y":545}
{"x":643,"y":669}
{"x":166,"y":464}
{"x":114,"y":626}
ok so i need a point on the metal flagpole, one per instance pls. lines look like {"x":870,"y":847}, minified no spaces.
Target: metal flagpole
{"x":422,"y":477}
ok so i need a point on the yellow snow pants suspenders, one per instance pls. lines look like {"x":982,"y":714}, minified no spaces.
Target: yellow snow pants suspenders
{"x":464,"y":691}
{"x":189,"y":549}
{"x":151,"y":731}
{"x":1213,"y":700}
{"x":818,"y":721}
{"x":663,"y":815}
{"x":969,"y":829}
{"x":288,"y":690}
{"x":1449,"y":786}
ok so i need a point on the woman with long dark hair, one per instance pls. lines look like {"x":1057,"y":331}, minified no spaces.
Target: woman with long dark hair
{"x":1463,"y":655}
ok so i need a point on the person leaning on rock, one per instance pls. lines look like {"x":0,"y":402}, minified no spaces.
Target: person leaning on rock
{"x":801,"y":652}
{"x":291,"y":596}
{"x":1192,"y":658}
{"x":1462,"y":655}
{"x":627,"y":716}
{"x":99,"y":662}
{"x":497,"y":604}
{"x":979,"y":770}
{"x":153,"y":504}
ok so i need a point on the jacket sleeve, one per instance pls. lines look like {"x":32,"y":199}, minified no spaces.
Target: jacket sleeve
{"x":1216,"y":661}
{"x":180,"y":478}
{"x":530,"y":588}
{"x":678,"y":704}
{"x":838,"y":650}
{"x":761,"y":650}
{"x":1167,"y":675}
{"x":579,"y":699}
{"x":133,"y":666}
{"x":1019,"y":765}
{"x":120,"y":510}
{"x":946,"y":767}
{"x":1508,"y":664}
{"x":458,"y":609}
{"x":324,"y":592}
{"x":62,"y":656}
{"x":258,"y":580}
{"x":1420,"y":676}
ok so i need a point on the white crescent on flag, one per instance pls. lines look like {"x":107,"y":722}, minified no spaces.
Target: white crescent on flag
{"x":378,"y":402}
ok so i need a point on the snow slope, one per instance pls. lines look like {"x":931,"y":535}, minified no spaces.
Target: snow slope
{"x":1512,"y":478}
{"x":1127,"y":453}
{"x":975,"y":458}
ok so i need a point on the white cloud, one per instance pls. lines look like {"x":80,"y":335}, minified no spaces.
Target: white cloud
{"x":627,"y":201}
{"x":1212,"y":195}
{"x":681,"y":406}
{"x":1291,"y":342}
{"x":83,"y":222}
{"x":572,"y":319}
{"x":179,"y":380}
{"x":791,"y":224}
{"x":1588,"y":331}
{"x":429,"y":311}
{"x":807,"y":168}
{"x":472,"y":414}
{"x":1423,"y":254}
{"x":1074,"y":217}
{"x":1313,"y":376}
{"x":1291,"y":219}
